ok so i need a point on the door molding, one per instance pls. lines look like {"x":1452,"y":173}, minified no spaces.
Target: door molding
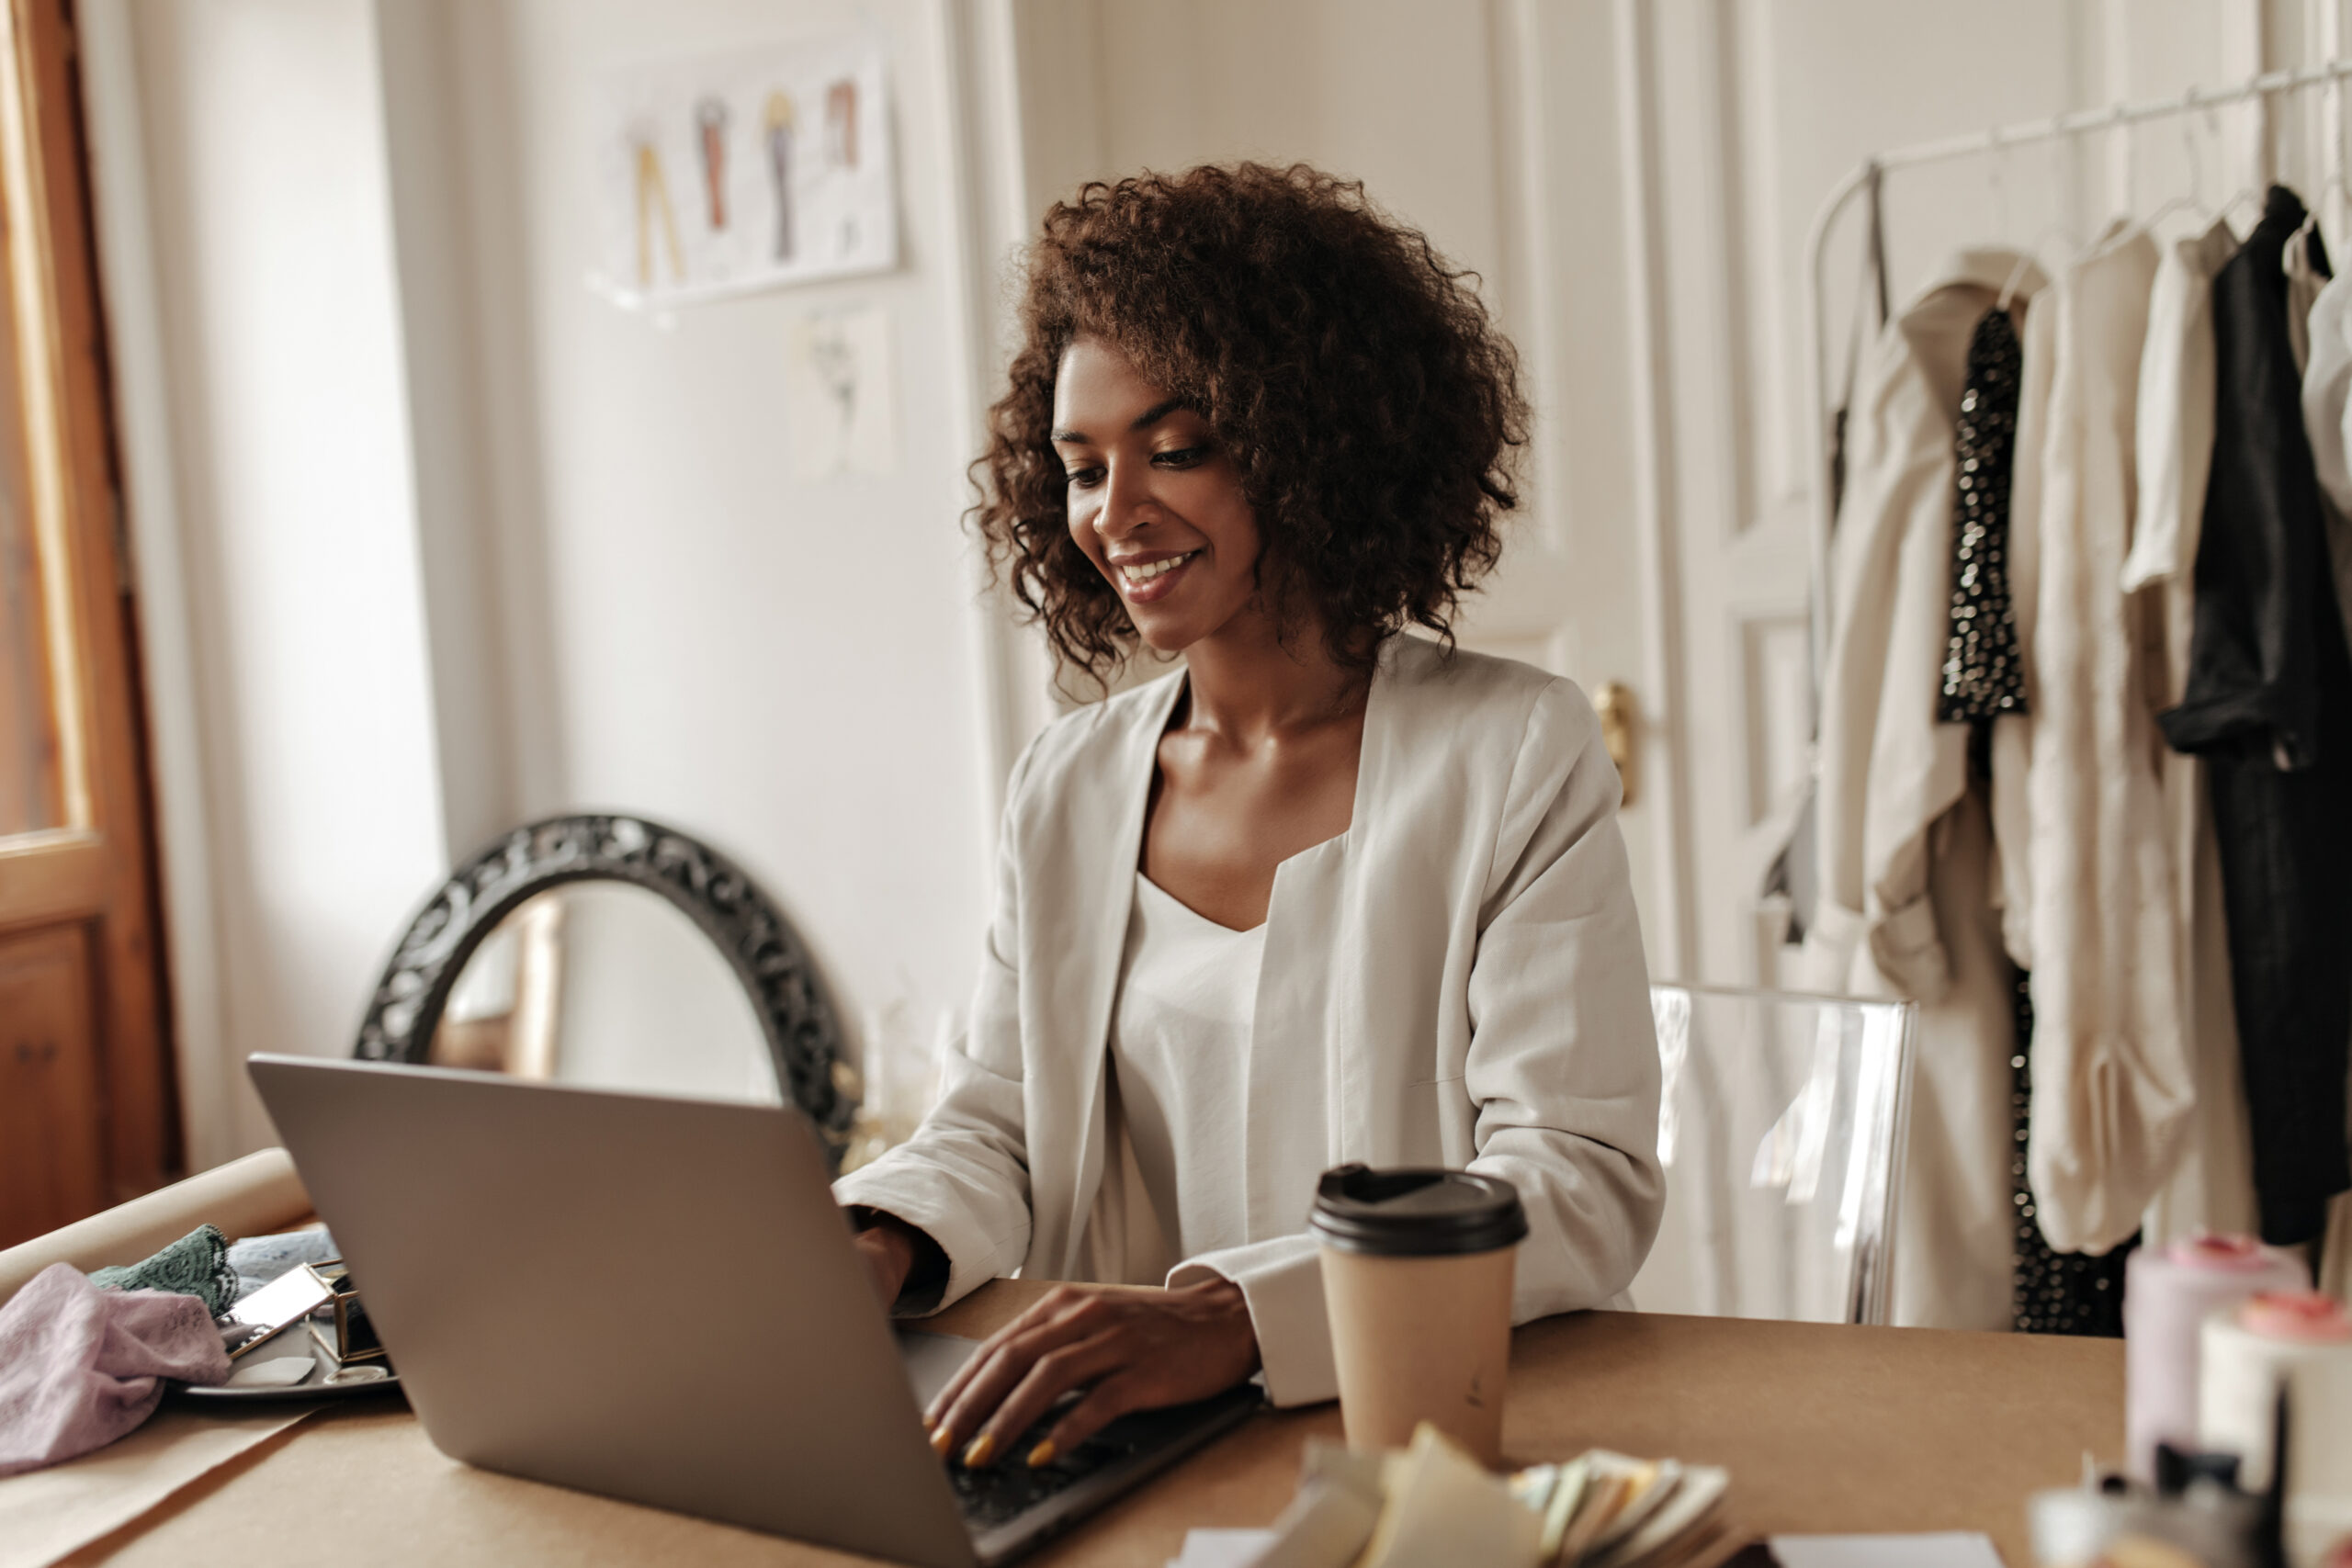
{"x":1673,"y":936}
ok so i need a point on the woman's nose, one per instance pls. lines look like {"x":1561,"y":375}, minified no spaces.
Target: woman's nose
{"x":1127,"y":503}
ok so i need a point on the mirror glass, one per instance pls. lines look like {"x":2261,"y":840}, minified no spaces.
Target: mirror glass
{"x":607,"y":985}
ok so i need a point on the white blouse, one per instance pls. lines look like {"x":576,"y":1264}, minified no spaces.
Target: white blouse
{"x":1179,"y":1059}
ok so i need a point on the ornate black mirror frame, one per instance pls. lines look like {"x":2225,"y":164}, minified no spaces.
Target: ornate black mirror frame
{"x":765,"y":952}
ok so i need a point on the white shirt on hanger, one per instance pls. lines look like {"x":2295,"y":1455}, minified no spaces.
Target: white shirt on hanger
{"x":2327,"y":419}
{"x":2013,"y":733}
{"x":2211,"y":1188}
{"x":2305,"y":283}
{"x":2112,"y":1082}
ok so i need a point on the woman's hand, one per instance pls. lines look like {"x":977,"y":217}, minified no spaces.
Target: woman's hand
{"x":1129,"y":1349}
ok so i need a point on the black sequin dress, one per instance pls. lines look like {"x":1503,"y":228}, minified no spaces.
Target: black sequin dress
{"x":1984,"y":679}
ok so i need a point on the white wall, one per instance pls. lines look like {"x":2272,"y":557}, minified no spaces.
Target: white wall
{"x":460,"y":543}
{"x":690,"y":1031}
{"x":780,"y":666}
{"x":274,"y":404}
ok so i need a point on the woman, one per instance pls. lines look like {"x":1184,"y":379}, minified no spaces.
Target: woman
{"x":1327,"y":893}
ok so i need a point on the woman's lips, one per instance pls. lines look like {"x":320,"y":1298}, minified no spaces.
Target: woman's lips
{"x":1154,"y":579}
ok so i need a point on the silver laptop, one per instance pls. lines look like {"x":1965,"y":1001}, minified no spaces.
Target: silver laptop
{"x":656,"y":1299}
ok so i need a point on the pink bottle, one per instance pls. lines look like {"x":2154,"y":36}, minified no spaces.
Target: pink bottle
{"x":2167,"y":1296}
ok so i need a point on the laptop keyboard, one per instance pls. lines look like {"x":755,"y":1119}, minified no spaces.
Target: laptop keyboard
{"x":996,"y":1494}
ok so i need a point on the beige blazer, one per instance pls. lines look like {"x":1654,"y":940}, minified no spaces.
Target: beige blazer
{"x":1916,"y":866}
{"x":1462,"y":984}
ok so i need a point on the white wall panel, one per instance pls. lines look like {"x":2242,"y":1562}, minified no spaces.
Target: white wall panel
{"x":285,"y":381}
{"x":779,"y":664}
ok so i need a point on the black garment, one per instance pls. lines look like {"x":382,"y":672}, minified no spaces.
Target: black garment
{"x":1984,"y":677}
{"x":2269,"y":706}
{"x":2050,"y":1292}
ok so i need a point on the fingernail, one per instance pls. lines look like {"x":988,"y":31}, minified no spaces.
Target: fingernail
{"x":1042,"y":1454}
{"x":930,"y":1422}
{"x":983,"y":1449}
{"x":941,"y":1438}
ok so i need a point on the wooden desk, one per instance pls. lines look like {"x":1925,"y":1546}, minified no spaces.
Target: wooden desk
{"x":1823,"y":1428}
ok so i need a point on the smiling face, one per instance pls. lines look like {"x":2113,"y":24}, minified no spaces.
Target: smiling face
{"x":1154,"y":500}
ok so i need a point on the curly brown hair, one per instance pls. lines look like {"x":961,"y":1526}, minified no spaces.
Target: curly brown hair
{"x":1370,"y":404}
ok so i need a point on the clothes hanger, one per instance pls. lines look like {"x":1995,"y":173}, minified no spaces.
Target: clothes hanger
{"x":2339,"y":181}
{"x":2194,"y":201}
{"x":2299,"y":243}
{"x":2257,"y":191}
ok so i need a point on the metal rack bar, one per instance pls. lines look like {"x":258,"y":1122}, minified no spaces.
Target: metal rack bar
{"x":1999,"y":139}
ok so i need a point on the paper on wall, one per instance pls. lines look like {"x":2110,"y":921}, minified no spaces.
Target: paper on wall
{"x":840,"y":398}
{"x":718,"y":175}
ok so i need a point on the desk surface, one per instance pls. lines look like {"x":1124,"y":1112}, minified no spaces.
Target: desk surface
{"x":1823,"y":1429}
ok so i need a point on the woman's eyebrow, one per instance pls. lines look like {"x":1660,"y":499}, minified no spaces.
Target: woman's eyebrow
{"x":1143,"y":421}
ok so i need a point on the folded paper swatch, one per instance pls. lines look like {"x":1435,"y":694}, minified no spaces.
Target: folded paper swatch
{"x":1223,"y":1549}
{"x":80,"y":1366}
{"x":1432,"y":1506}
{"x":1948,"y":1549}
{"x":1444,"y":1509}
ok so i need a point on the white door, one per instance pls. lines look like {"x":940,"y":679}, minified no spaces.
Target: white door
{"x":1495,"y":128}
{"x":1634,"y":180}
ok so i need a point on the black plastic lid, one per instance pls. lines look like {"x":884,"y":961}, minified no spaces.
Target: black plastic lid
{"x":1416,"y":1211}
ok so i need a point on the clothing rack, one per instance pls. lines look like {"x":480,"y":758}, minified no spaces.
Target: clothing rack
{"x":2258,"y":89}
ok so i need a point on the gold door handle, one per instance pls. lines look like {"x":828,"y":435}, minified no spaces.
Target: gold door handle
{"x":1614,"y":704}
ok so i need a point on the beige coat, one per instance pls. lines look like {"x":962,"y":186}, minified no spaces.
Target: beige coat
{"x":1462,"y":985}
{"x":2211,"y":1188}
{"x":1910,"y":878}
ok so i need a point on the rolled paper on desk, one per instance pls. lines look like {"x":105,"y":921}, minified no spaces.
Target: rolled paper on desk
{"x":252,"y":1196}
{"x":2167,"y":1296}
{"x":2319,"y":1472}
{"x":2252,"y":1351}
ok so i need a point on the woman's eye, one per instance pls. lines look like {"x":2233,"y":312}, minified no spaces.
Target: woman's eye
{"x":1084,"y":479}
{"x":1183,"y":457}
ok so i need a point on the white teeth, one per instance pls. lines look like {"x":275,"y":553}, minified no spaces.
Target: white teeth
{"x":1145,"y":573}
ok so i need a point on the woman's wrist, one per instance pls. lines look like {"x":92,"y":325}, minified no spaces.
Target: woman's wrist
{"x":909,"y":1263}
{"x":1226,"y":1306}
{"x":897,"y":1253}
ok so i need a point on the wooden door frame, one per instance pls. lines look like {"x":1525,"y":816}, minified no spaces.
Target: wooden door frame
{"x":101,"y":867}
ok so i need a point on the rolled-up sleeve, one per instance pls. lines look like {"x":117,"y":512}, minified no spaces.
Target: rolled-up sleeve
{"x":1563,"y":1066}
{"x":963,"y":1178}
{"x":1282,"y":1283}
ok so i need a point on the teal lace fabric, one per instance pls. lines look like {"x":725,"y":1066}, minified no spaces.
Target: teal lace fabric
{"x":196,"y":1265}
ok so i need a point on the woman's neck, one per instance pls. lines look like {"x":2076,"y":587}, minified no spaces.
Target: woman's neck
{"x":1248,"y":683}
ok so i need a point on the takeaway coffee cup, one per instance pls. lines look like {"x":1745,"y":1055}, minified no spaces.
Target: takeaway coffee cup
{"x":1417,"y":1279}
